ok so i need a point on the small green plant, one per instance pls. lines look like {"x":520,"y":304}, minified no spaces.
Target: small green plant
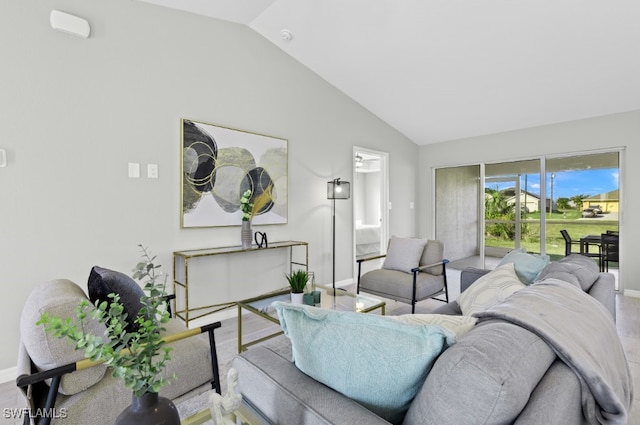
{"x":298,"y":281}
{"x":130,"y":353}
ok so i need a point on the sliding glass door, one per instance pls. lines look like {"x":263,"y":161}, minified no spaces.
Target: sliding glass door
{"x":525,"y":204}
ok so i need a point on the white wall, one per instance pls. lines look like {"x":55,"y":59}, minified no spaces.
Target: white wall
{"x":74,"y":112}
{"x":612,"y":131}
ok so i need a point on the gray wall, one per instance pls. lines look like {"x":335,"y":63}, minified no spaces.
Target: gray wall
{"x":607,"y":132}
{"x":457,"y":211}
{"x":74,"y":112}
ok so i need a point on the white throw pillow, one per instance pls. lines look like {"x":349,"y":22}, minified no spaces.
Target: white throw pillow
{"x":404,"y":254}
{"x":490,"y":289}
{"x":459,"y":325}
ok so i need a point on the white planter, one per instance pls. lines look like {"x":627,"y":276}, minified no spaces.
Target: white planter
{"x":296,"y":298}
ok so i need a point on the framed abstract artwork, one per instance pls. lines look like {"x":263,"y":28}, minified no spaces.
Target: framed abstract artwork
{"x":220,"y":164}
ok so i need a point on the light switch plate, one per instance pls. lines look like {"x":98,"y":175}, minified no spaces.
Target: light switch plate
{"x":152,"y":171}
{"x":134,"y":170}
{"x":3,"y":158}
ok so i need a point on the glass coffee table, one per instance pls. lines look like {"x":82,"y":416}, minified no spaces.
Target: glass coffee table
{"x":245,"y":415}
{"x":342,"y":301}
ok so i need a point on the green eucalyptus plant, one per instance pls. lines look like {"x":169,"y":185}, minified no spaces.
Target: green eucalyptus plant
{"x":132,"y":354}
{"x":298,"y":280}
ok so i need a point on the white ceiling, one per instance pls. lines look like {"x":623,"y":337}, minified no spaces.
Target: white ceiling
{"x":439,"y":70}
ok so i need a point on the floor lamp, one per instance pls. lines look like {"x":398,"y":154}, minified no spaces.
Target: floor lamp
{"x":336,"y":189}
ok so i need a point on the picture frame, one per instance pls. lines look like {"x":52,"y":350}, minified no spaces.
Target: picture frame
{"x":219,"y":164}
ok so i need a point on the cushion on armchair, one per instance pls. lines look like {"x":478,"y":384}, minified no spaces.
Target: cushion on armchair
{"x":433,"y":253}
{"x":58,"y":298}
{"x":103,"y":282}
{"x":403,"y":254}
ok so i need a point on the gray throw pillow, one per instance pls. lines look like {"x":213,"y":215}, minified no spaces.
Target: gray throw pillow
{"x":103,"y":282}
{"x":403,"y":254}
{"x":576,"y":269}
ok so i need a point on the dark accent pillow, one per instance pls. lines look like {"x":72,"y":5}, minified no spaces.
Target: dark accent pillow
{"x":103,"y":282}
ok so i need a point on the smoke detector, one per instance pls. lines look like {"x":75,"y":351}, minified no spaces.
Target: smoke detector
{"x":286,"y":35}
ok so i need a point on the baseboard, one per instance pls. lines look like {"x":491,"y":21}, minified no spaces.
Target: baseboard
{"x":345,"y":283}
{"x":631,"y":293}
{"x":8,"y":375}
{"x":214,"y":317}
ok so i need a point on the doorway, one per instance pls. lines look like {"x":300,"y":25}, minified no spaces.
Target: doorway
{"x":370,"y":200}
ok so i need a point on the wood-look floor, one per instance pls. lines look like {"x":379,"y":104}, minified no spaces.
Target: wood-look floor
{"x":628,"y":325}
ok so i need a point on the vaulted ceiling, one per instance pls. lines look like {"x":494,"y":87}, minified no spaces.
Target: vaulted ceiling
{"x":439,"y":70}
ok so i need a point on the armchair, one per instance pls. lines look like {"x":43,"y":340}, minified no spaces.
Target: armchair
{"x":58,"y":382}
{"x":413,"y":270}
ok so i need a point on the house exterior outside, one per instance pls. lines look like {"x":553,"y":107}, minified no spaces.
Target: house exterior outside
{"x":528,"y":201}
{"x":607,"y":202}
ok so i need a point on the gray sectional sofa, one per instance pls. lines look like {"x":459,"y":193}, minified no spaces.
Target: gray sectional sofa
{"x":498,"y":373}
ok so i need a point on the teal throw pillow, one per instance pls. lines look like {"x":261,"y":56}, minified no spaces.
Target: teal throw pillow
{"x":379,"y":363}
{"x":528,"y":266}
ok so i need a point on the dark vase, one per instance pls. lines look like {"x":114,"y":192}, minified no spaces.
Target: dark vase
{"x":149,"y":409}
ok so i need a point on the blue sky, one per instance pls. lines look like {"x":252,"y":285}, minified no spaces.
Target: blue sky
{"x":571,"y":183}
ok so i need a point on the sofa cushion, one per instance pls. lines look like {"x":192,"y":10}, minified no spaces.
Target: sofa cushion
{"x":359,"y":355}
{"x":103,"y":282}
{"x":485,"y":378}
{"x":490,"y":289}
{"x":58,"y":298}
{"x":433,"y":253}
{"x":576,"y":269}
{"x":403,"y":254}
{"x":459,"y":325}
{"x":287,"y":396}
{"x":528,"y":266}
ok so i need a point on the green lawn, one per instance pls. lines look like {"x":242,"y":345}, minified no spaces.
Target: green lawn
{"x":556,"y":222}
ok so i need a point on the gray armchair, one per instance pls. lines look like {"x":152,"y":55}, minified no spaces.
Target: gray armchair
{"x":56,"y":380}
{"x":413,"y":270}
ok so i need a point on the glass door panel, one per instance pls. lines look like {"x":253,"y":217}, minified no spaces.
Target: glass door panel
{"x":512,"y":207}
{"x":585,"y":200}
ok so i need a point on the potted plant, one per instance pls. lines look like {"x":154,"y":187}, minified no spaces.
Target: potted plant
{"x":298,"y":281}
{"x":138,"y":355}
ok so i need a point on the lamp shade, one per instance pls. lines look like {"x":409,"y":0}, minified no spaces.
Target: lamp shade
{"x":337,"y":189}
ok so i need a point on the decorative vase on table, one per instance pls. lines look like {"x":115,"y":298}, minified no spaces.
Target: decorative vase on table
{"x":149,"y":409}
{"x":246,"y":234}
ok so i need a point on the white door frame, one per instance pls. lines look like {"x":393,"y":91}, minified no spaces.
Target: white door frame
{"x":384,"y":200}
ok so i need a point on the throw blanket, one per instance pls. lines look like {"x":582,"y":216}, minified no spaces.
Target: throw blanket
{"x":582,"y":333}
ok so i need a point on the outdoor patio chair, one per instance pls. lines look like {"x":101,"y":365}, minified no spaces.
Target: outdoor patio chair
{"x":568,"y":243}
{"x":610,"y":244}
